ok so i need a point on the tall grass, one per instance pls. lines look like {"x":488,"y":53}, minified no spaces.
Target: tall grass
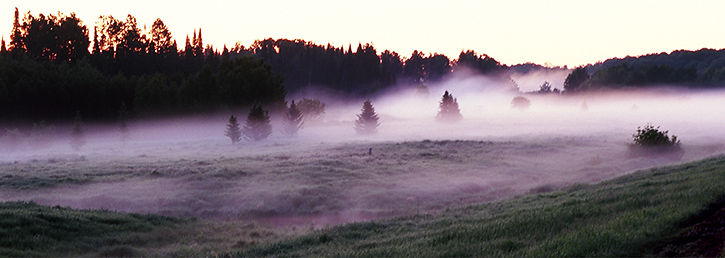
{"x":627,"y":216}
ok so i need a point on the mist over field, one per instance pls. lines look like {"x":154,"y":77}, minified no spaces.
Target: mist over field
{"x":325,"y":175}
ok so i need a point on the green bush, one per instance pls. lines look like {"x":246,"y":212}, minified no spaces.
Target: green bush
{"x":650,"y":140}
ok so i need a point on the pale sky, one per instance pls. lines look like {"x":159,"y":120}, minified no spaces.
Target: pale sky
{"x":557,"y":32}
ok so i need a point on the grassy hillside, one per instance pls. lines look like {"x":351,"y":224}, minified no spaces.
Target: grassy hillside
{"x":633,"y":215}
{"x":31,"y":230}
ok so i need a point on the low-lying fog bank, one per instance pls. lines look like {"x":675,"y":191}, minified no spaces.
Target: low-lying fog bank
{"x":325,"y":175}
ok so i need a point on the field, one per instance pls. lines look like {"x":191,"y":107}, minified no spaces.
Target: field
{"x":228,"y":205}
{"x":420,"y":183}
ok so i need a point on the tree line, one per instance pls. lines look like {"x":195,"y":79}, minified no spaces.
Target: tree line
{"x":55,"y":65}
{"x":704,"y":68}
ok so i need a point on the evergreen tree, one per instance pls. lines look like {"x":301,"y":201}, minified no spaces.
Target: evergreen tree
{"x":123,"y":123}
{"x":292,"y":120}
{"x":77,"y":135}
{"x":258,"y":126}
{"x":367,"y":121}
{"x":16,"y":43}
{"x":233,"y":131}
{"x":449,"y":112}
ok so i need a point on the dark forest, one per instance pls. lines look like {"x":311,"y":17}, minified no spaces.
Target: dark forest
{"x":55,"y":66}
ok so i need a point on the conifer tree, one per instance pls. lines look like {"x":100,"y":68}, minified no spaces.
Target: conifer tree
{"x":199,"y":45}
{"x":367,"y":121}
{"x":449,"y":111}
{"x":77,"y":135}
{"x":258,"y":126}
{"x":292,"y":120}
{"x":233,"y":131}
{"x":123,"y":123}
{"x":16,"y":43}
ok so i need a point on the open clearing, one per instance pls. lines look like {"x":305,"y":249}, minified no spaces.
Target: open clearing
{"x":323,"y":184}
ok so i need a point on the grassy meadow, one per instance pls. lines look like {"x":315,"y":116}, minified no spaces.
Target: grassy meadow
{"x":641,"y":214}
{"x":561,"y":196}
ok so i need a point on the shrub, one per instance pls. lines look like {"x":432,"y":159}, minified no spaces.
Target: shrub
{"x":313,"y":110}
{"x":649,"y":141}
{"x":520,"y":103}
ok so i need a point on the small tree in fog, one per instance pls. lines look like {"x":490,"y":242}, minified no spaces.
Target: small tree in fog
{"x":367,"y":121}
{"x":520,"y":103}
{"x":449,"y":111}
{"x":292,"y":120}
{"x":123,"y":123}
{"x":545,"y":87}
{"x":77,"y":139}
{"x":233,"y":131}
{"x":313,"y":110}
{"x":258,"y":126}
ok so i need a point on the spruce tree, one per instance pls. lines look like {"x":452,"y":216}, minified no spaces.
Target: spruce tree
{"x":123,"y":123}
{"x":233,"y":131}
{"x":449,"y":111}
{"x":77,"y":135}
{"x":258,"y":126}
{"x":292,"y":120}
{"x":16,"y":35}
{"x":367,"y":121}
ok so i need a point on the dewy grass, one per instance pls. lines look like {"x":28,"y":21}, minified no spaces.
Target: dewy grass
{"x":627,"y":216}
{"x":31,"y":230}
{"x":28,"y":229}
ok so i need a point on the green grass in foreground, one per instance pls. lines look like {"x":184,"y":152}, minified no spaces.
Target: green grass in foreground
{"x":31,"y":230}
{"x":632,"y":215}
{"x":28,"y":229}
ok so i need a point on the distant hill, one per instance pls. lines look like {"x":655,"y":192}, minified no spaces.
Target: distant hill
{"x":704,"y":68}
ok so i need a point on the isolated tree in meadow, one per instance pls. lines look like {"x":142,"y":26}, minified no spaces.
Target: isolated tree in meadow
{"x":123,"y":123}
{"x":233,"y":131}
{"x":292,"y":120}
{"x":449,"y":111}
{"x":367,"y":121}
{"x":313,"y":110}
{"x":258,"y":126}
{"x":520,"y":103}
{"x":77,"y":139}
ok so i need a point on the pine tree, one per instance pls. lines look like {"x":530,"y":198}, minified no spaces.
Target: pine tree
{"x":123,"y":123}
{"x":96,"y":46}
{"x":449,"y":112}
{"x":258,"y":126}
{"x":199,"y":45}
{"x":16,"y":43}
{"x":367,"y":121}
{"x":292,"y":120}
{"x":233,"y":131}
{"x":77,"y":135}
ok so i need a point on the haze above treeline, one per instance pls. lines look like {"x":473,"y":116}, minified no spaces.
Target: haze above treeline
{"x":54,"y":66}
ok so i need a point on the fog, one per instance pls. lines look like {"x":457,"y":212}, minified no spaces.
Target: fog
{"x":187,"y":167}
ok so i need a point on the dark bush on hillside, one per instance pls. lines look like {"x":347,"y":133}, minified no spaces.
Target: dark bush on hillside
{"x":650,"y":141}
